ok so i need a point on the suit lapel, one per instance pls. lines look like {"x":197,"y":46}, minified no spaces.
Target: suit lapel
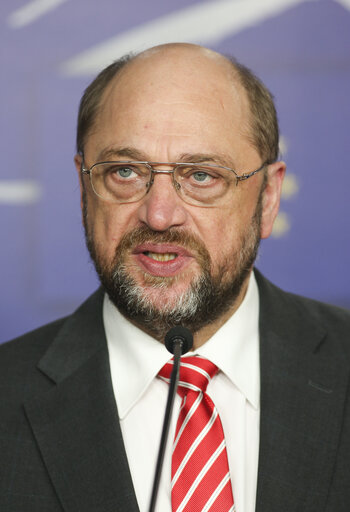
{"x":76,"y":423}
{"x":303,"y":388}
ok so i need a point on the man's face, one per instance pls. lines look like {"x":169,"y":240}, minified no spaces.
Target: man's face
{"x":159,"y":256}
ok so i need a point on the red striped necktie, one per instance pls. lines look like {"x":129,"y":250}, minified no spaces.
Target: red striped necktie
{"x":200,"y":477}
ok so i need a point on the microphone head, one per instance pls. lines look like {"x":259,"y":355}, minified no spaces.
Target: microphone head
{"x":179,"y":333}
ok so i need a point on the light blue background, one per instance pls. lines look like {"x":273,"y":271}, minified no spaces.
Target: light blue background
{"x":301,"y":51}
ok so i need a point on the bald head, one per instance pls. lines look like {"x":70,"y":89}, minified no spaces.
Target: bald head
{"x":179,"y":73}
{"x":178,"y":52}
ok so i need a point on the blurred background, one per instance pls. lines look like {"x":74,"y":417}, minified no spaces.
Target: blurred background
{"x":51,"y":49}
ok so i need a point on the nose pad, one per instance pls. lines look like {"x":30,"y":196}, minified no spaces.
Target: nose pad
{"x":176,"y":184}
{"x":151,"y":181}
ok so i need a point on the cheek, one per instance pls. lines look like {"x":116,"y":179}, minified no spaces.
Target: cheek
{"x":219,"y":232}
{"x":108,"y":223}
{"x":222,"y":230}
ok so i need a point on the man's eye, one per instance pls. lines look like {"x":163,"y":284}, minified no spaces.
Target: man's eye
{"x":119,"y":172}
{"x":124,"y":171}
{"x":201,"y":176}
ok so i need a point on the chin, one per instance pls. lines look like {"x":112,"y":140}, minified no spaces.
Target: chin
{"x":164,"y":296}
{"x":161,"y":291}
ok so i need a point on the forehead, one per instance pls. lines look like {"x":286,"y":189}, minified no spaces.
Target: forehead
{"x":179,"y":97}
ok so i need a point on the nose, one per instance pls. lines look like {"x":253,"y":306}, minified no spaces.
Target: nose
{"x":162,"y":208}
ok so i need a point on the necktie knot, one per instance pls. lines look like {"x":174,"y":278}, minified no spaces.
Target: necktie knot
{"x":195,"y":373}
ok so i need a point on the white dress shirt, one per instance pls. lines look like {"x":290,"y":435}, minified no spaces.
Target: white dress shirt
{"x":135,"y":360}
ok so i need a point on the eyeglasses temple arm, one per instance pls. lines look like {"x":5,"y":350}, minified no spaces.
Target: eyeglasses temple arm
{"x":245,"y":176}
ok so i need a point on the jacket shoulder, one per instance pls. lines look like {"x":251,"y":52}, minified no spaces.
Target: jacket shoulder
{"x":19,"y":358}
{"x":284,"y":308}
{"x":33,"y":342}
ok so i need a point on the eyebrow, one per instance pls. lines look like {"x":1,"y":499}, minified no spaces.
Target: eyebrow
{"x":134,"y":154}
{"x":121,"y":152}
{"x":215,"y":158}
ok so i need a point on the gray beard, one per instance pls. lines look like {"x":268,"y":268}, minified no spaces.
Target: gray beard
{"x":204,"y":300}
{"x":208,"y":297}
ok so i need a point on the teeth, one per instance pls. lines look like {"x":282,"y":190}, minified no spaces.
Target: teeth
{"x":164,"y":256}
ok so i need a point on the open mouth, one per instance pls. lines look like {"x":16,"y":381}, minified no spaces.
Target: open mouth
{"x":161,"y":256}
{"x":165,"y":260}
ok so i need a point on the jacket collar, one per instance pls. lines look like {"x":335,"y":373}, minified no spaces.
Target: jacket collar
{"x":81,"y":336}
{"x":76,"y":423}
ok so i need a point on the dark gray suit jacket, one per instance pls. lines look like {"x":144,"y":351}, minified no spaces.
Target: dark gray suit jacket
{"x":61,"y":447}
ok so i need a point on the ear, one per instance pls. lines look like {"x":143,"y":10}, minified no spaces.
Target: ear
{"x":78,"y":161}
{"x":271,"y":197}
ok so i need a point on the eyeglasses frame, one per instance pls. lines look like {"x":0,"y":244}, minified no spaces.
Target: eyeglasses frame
{"x":150,"y":166}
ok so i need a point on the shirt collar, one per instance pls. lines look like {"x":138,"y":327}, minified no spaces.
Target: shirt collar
{"x":131,"y":352}
{"x":234,"y":348}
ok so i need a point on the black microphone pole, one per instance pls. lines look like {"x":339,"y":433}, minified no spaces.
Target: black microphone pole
{"x":178,"y":341}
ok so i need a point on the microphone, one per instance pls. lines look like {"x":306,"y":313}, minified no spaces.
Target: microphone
{"x":178,"y":340}
{"x":178,"y":335}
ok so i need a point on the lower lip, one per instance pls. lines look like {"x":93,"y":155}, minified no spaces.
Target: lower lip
{"x":163,"y":268}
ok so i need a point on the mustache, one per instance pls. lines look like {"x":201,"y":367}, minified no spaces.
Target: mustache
{"x":176,"y":236}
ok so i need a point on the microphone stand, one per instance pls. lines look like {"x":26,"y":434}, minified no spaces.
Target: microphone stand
{"x":174,"y":379}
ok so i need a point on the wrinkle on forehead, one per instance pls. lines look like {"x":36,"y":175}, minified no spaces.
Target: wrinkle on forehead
{"x":165,"y":119}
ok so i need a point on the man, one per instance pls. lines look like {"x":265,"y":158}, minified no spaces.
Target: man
{"x":178,"y":166}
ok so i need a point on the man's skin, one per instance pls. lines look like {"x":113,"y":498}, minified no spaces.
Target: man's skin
{"x":154,"y":110}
